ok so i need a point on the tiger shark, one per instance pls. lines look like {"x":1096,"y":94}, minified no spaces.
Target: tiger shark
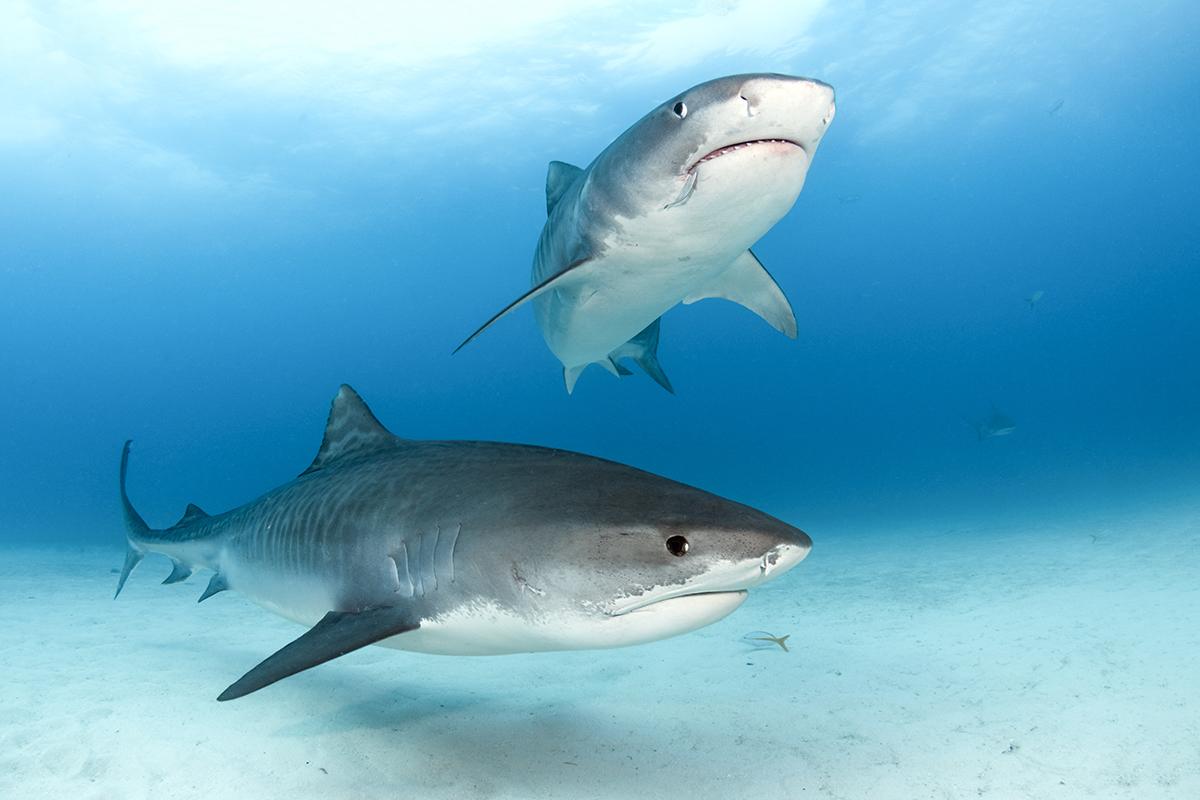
{"x":667,"y":214}
{"x":469,"y":548}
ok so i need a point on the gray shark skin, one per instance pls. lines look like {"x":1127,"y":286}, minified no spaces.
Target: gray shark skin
{"x":469,"y":548}
{"x":666,"y":214}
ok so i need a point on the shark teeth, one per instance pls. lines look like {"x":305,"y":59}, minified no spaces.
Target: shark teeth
{"x":740,"y":146}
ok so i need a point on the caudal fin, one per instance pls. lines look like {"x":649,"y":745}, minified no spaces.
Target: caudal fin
{"x":135,"y":526}
{"x":643,"y":349}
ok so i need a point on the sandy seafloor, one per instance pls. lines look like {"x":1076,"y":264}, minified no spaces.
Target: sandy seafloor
{"x":1045,"y":658}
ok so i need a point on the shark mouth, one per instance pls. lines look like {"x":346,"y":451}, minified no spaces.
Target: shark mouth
{"x":732,"y":148}
{"x":653,"y":603}
{"x":730,"y":587}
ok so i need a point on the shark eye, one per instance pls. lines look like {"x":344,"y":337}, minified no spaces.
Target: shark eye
{"x":678,"y":546}
{"x":680,"y":111}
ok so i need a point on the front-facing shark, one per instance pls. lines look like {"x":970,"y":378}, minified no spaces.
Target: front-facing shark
{"x":667,"y":214}
{"x":469,"y":548}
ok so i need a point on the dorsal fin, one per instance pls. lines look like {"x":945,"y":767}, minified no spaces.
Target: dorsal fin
{"x":352,"y":430}
{"x":191,"y":514}
{"x":559,"y":177}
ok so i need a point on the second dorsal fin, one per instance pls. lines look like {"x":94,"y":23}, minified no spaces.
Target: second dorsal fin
{"x":352,"y":430}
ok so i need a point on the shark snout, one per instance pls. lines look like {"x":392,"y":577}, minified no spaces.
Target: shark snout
{"x":813,"y":94}
{"x":769,"y":80}
{"x":800,"y":108}
{"x":785,"y":555}
{"x":782,"y":558}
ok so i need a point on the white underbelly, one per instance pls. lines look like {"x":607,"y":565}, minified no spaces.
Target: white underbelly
{"x":302,"y":598}
{"x":484,"y":627}
{"x":584,"y":323}
{"x":487,"y":629}
{"x":652,"y":262}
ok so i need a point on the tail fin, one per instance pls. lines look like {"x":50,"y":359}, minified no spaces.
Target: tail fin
{"x":135,"y":526}
{"x":643,"y":349}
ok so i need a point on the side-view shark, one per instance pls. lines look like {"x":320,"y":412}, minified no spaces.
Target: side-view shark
{"x":667,"y":214}
{"x":469,"y":548}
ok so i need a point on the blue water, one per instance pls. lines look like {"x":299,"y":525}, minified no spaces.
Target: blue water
{"x":211,"y":216}
{"x":203,"y":234}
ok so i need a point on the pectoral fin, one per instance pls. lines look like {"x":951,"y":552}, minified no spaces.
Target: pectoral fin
{"x":564,"y":278}
{"x":747,"y":283}
{"x":336,"y":634}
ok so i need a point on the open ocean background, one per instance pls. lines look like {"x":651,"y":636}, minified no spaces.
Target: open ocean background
{"x":214,"y":213}
{"x":212,"y":217}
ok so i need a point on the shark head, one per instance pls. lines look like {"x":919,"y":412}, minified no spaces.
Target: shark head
{"x":657,"y":558}
{"x":730,"y":154}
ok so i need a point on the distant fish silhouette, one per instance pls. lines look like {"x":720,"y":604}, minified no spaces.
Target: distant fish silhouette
{"x":998,"y":424}
{"x":1035,"y":298}
{"x":762,"y":639}
{"x":1054,"y":109}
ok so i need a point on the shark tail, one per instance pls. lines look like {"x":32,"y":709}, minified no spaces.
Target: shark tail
{"x":141,"y":539}
{"x":135,"y":527}
{"x":643,"y":349}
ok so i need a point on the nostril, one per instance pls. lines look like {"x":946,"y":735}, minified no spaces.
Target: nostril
{"x":749,"y":105}
{"x":768,"y":561}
